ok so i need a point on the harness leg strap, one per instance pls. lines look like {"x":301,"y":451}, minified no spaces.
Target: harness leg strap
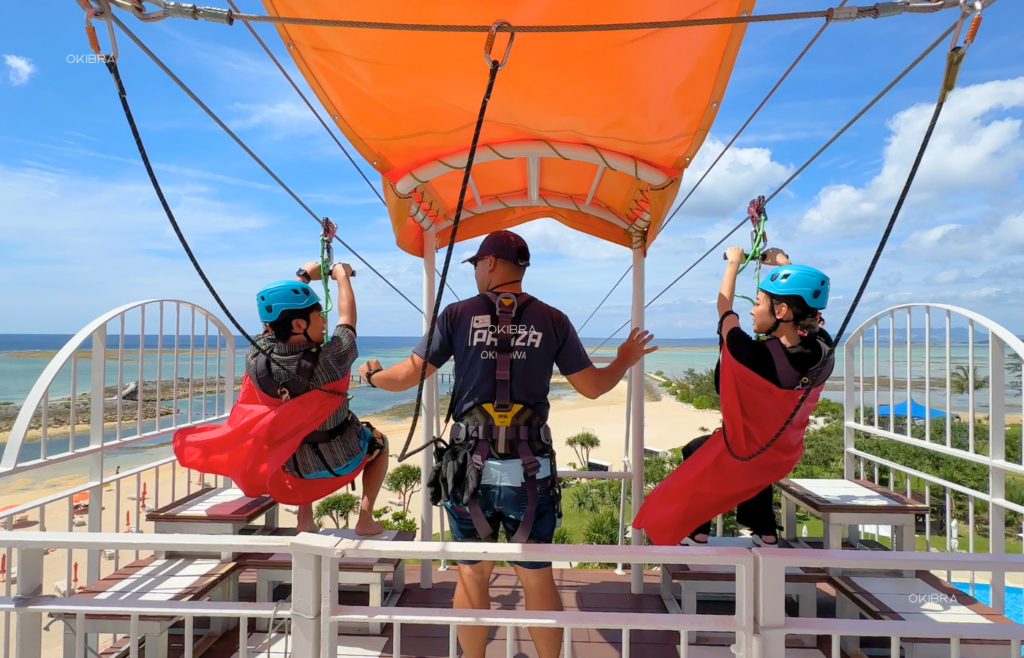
{"x":530,"y":469}
{"x":483,"y":528}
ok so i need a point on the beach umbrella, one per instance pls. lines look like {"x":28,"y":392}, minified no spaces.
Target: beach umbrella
{"x":591,"y":128}
{"x":917,"y":411}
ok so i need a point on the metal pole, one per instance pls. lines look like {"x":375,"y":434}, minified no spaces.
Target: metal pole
{"x":626,"y":466}
{"x":429,"y":410}
{"x":997,"y":453}
{"x":96,"y":418}
{"x":637,"y":420}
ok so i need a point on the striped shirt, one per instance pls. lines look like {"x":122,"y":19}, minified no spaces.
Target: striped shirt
{"x":336,"y":359}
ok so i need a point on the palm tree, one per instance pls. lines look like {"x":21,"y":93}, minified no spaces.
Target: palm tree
{"x":959,"y":380}
{"x":582,"y":444}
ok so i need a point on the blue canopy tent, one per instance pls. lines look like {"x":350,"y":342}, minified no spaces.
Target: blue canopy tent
{"x":917,"y":411}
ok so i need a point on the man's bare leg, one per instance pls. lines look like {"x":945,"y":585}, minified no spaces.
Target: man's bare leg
{"x":542,"y":594}
{"x":472,"y":592}
{"x":306,"y":522}
{"x":373,"y":478}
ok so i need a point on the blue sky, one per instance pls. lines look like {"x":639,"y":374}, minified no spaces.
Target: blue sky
{"x":82,"y":231}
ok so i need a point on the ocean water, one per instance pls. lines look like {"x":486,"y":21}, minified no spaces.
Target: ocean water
{"x":18,"y":373}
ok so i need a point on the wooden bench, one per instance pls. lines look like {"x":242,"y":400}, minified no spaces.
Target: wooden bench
{"x":717,"y":581}
{"x":152,"y":579}
{"x":353,"y":573}
{"x":924,"y":597}
{"x":214,"y":512}
{"x":851,"y":503}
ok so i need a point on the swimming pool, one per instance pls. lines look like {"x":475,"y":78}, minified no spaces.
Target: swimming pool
{"x":1014,"y":598}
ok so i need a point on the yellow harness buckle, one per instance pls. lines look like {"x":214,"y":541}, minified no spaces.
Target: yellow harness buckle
{"x":502,"y":418}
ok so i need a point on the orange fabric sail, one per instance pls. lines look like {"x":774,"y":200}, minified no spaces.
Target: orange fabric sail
{"x":593,"y":129}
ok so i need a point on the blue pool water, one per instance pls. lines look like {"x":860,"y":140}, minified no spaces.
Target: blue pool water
{"x":1014,"y":599}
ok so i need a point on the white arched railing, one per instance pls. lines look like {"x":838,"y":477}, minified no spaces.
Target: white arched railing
{"x":208,"y":367}
{"x":884,"y":365}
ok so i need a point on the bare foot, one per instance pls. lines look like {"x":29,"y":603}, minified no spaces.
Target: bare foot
{"x":368,"y":528}
{"x":308,"y":527}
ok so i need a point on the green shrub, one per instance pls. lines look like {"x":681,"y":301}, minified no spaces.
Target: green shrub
{"x":695,"y":385}
{"x":561,"y":536}
{"x":602,"y":529}
{"x":335,"y":507}
{"x":704,"y":402}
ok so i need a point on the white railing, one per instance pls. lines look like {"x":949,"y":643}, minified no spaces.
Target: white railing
{"x":740,"y":623}
{"x":32,"y":608}
{"x":759,"y":623}
{"x":201,"y":370}
{"x":865,"y":392}
{"x":39,"y":398}
{"x":773,"y":625}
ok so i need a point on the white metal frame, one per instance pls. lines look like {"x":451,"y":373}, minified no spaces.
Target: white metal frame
{"x":854,"y":383}
{"x":97,"y":330}
{"x":532,"y":153}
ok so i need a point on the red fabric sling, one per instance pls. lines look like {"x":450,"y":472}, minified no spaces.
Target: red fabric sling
{"x":712,"y":481}
{"x":259,"y":436}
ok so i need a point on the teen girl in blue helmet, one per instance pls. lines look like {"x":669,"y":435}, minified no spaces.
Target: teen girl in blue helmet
{"x":793,"y":352}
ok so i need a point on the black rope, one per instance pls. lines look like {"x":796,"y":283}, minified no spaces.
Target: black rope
{"x":495,"y":67}
{"x":116,"y":75}
{"x":320,"y":119}
{"x":863,"y":284}
{"x":163,"y":67}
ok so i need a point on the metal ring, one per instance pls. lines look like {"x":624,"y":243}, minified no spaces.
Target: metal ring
{"x":489,"y":44}
{"x":971,"y":6}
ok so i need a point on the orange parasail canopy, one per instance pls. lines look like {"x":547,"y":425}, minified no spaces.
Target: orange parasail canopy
{"x":593,"y":129}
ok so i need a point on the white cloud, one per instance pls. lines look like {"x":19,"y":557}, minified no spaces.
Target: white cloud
{"x":282,"y":119}
{"x":986,"y":240}
{"x":740,"y":175}
{"x":22,"y":68}
{"x":951,"y":276}
{"x":969,"y":149}
{"x":551,"y":236}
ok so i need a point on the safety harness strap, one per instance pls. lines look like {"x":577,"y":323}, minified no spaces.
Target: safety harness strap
{"x":530,"y":469}
{"x":292,"y":387}
{"x":505,"y":304}
{"x":483,"y":528}
{"x":790,"y":377}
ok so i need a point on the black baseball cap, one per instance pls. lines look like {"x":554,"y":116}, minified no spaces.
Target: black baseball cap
{"x":505,"y":245}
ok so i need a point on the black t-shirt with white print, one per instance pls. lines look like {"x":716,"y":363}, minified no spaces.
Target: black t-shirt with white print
{"x":544,"y":338}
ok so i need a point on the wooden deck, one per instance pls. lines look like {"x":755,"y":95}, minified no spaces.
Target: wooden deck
{"x":584,"y":590}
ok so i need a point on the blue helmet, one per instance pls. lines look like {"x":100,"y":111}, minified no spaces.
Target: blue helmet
{"x":807,"y":283}
{"x":283,"y":296}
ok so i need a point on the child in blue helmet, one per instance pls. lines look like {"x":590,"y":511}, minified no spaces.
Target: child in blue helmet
{"x":294,"y":336}
{"x":787,"y":313}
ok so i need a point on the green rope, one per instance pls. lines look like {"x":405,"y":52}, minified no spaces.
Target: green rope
{"x":325,"y":277}
{"x":757,"y":241}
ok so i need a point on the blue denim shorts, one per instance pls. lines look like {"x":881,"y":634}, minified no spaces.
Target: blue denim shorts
{"x":504,"y":506}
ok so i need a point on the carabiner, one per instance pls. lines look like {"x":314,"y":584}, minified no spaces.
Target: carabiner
{"x":101,"y":13}
{"x":489,"y":44}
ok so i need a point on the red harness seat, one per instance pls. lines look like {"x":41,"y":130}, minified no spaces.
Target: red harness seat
{"x":712,"y":481}
{"x":259,"y":436}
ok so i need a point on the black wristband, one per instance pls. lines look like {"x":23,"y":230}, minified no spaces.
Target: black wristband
{"x":370,"y":374}
{"x":304,"y":275}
